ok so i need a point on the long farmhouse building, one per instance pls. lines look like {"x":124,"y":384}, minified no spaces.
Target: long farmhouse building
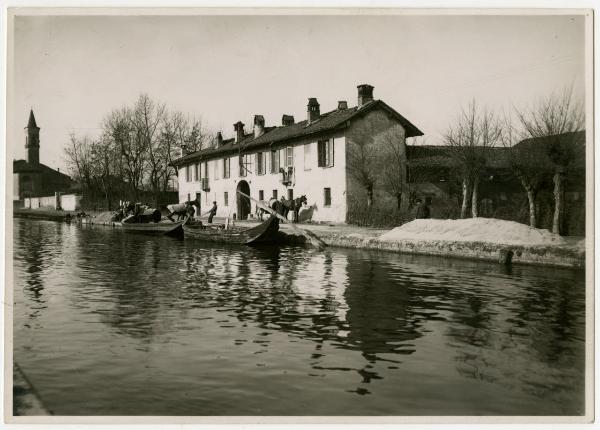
{"x":309,"y":158}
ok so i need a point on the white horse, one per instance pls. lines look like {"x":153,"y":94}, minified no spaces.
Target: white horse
{"x":181,"y":210}
{"x":260,"y":211}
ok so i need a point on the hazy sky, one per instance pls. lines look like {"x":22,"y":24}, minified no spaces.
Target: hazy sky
{"x":74,"y":70}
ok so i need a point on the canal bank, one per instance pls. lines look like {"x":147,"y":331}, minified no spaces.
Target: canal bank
{"x":26,"y":401}
{"x":570,"y":252}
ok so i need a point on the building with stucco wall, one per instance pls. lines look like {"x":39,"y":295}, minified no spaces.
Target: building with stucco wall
{"x":309,"y":158}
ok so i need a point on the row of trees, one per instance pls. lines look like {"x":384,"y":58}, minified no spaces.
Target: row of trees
{"x":552,"y":120}
{"x":134,"y":151}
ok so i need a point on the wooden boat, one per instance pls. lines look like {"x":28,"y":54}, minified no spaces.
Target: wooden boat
{"x":163,"y":227}
{"x":263,"y":233}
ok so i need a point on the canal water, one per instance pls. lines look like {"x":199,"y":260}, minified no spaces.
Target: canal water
{"x":108,"y":323}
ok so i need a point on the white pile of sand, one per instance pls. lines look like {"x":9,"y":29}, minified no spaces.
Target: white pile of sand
{"x":473,"y":230}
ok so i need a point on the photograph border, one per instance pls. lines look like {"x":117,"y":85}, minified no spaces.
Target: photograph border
{"x":590,"y":271}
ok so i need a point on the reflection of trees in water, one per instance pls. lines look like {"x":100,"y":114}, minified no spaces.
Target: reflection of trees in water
{"x":529,"y":336}
{"x":126,"y":279}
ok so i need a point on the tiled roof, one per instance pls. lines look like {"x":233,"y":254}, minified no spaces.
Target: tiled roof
{"x":440,"y":156}
{"x":326,"y":122}
{"x":541,"y":146}
{"x":565,"y":137}
{"x":22,"y":166}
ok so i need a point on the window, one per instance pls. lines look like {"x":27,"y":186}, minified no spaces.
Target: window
{"x":261,"y":195}
{"x":188,"y":197}
{"x":307,"y":156}
{"x":275,"y":194}
{"x":216,"y":167}
{"x":327,"y":196}
{"x":187,"y":174}
{"x":325,"y":153}
{"x":199,"y":197}
{"x":274,"y":161}
{"x":290,"y":194}
{"x":225,"y":198}
{"x":205,"y":170}
{"x":289,"y":159}
{"x":226,"y":166}
{"x":261,"y":163}
{"x":196,"y":172}
{"x":245,"y":162}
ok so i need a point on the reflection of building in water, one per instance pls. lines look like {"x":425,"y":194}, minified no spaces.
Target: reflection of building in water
{"x":322,"y":280}
{"x":379,"y":310}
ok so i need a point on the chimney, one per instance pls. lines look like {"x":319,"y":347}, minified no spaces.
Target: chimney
{"x":239,"y":131}
{"x":219,"y":139}
{"x":313,"y":110}
{"x":365,"y":94}
{"x":287,"y":120}
{"x":342,"y":105}
{"x":259,"y":126}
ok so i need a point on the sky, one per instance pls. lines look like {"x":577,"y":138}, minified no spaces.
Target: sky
{"x":73,"y":70}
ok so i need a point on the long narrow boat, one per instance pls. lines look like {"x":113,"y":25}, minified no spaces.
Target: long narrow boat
{"x":265,"y":232}
{"x":163,"y":227}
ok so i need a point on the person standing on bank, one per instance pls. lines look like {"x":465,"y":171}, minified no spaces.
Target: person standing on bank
{"x":212,"y":212}
{"x":423,"y":209}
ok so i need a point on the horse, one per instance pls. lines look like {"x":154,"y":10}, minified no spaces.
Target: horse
{"x":182,"y":210}
{"x":272,"y":203}
{"x":291,"y":205}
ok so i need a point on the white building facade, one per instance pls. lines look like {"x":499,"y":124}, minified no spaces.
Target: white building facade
{"x":306,"y":158}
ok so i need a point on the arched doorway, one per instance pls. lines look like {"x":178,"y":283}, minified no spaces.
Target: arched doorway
{"x":243,"y":203}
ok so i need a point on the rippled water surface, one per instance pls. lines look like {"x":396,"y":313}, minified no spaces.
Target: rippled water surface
{"x":108,"y":323}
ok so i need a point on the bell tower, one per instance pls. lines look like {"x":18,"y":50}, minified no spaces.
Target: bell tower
{"x":32,"y":141}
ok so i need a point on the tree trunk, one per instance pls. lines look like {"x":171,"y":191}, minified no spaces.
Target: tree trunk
{"x":558,"y":201}
{"x":532,"y":208}
{"x":475,"y":199}
{"x":465,"y":201}
{"x":369,"y":196}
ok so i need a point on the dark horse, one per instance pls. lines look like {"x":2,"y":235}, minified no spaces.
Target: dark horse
{"x":285,"y":206}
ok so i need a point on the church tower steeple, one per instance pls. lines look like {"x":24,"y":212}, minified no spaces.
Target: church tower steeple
{"x":32,"y":141}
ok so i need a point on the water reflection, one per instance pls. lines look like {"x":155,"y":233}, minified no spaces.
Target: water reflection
{"x":364,"y":323}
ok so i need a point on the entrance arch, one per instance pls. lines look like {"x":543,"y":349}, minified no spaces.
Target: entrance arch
{"x":243,"y":203}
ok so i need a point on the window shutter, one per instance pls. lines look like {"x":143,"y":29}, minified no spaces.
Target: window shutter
{"x":330,"y":148}
{"x":320,"y":153}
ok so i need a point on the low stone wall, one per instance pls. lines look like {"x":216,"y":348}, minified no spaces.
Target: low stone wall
{"x":67,"y":202}
{"x":505,"y":254}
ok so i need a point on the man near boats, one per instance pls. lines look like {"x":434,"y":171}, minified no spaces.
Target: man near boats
{"x":423,"y":209}
{"x":212,"y":212}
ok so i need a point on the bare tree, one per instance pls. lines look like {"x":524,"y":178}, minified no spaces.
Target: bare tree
{"x":362,"y":161}
{"x":78,"y":152}
{"x":555,"y":120}
{"x":147,"y":117}
{"x":469,"y":142}
{"x":106,"y":168}
{"x":528,"y":164}
{"x":130,"y":143}
{"x":393,"y":151}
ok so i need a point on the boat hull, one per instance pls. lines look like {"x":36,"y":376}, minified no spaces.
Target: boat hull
{"x":265,"y":232}
{"x":171,"y":229}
